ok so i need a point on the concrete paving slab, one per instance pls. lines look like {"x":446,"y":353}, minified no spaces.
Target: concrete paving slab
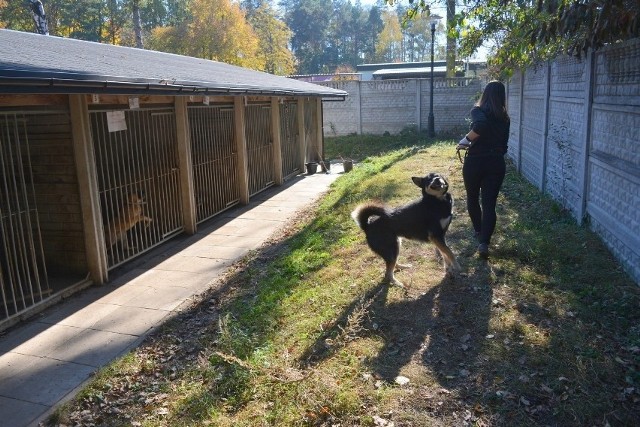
{"x":166,"y":298}
{"x":191,"y":264}
{"x":215,"y":252}
{"x":84,"y":317}
{"x":18,"y":412}
{"x":131,"y":320}
{"x":271,"y":213}
{"x":93,"y":347}
{"x":20,"y":337}
{"x":244,"y":242}
{"x":47,"y":340}
{"x":44,"y":381}
{"x":250,"y":227}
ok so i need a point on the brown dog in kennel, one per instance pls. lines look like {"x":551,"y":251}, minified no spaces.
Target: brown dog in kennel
{"x":130,"y":215}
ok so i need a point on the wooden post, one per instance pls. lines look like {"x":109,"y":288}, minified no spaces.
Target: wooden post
{"x":88,"y":187}
{"x":277,"y":144}
{"x":241,"y":148}
{"x":187,"y":189}
{"x":319,"y":140}
{"x":302,"y":134}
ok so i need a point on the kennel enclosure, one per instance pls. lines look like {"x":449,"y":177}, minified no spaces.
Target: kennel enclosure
{"x":96,"y":169}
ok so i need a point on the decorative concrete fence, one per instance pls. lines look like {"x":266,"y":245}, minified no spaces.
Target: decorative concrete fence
{"x":379,"y":106}
{"x":574,"y":134}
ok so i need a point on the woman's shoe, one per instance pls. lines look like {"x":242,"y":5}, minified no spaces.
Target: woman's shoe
{"x":483,"y":250}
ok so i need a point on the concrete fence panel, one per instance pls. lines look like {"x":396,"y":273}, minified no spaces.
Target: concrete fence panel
{"x":379,"y":106}
{"x":574,"y":135}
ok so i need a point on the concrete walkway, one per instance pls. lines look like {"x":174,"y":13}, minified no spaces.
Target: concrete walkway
{"x":45,"y":361}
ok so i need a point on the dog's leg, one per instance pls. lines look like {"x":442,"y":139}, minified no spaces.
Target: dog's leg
{"x":389,"y":277}
{"x":390,"y":256}
{"x":399,"y":266}
{"x":450,"y":261}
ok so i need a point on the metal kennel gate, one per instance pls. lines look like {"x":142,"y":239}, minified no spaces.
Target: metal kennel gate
{"x":23,"y":273}
{"x":214,"y":157}
{"x":289,"y":143}
{"x":138,"y":179}
{"x":259,"y":147}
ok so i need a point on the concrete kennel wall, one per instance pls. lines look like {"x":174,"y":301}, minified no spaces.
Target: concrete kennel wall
{"x":379,"y":106}
{"x":574,"y":135}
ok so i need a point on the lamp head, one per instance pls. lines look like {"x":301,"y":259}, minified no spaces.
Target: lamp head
{"x":433,"y":20}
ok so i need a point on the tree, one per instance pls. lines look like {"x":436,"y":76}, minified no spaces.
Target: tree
{"x":273,"y":35}
{"x":309,"y":21}
{"x":372,"y":30}
{"x":389,"y":46}
{"x":416,"y":37}
{"x":451,"y":38}
{"x":16,"y":15}
{"x":137,"y":22}
{"x":115,"y":20}
{"x":528,"y":31}
{"x":217,"y":30}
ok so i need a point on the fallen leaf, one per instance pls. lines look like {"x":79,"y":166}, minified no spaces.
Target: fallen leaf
{"x":401,"y":380}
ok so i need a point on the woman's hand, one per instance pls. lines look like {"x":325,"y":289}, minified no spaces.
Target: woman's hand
{"x":463,"y":144}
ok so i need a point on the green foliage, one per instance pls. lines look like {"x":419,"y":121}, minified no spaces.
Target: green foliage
{"x":273,"y":36}
{"x":526,"y":32}
{"x":328,"y":35}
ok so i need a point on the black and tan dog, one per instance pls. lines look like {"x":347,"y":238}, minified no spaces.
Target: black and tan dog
{"x":426,"y":220}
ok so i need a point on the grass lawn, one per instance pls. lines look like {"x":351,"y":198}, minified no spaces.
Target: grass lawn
{"x":303,"y":333}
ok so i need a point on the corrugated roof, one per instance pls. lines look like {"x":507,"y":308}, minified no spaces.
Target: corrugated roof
{"x":34,"y":63}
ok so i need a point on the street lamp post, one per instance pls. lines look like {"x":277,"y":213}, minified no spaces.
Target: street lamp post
{"x":433,"y":21}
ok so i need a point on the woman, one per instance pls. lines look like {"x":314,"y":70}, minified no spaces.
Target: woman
{"x":484,"y":165}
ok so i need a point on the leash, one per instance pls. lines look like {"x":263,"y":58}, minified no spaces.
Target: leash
{"x":453,"y":161}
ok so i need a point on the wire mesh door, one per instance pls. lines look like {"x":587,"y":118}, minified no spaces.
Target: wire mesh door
{"x":138,"y":179}
{"x":290,"y":145}
{"x":215,"y":161}
{"x":259,"y":147}
{"x":23,"y":274}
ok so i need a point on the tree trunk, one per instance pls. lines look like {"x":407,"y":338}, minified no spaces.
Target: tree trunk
{"x":451,"y":41}
{"x":137,"y":23}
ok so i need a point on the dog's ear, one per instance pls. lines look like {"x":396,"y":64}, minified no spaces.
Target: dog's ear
{"x":417,"y":180}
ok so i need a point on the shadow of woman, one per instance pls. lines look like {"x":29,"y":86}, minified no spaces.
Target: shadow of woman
{"x":440,"y":329}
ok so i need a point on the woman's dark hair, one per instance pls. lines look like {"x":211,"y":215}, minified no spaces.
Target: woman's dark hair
{"x":494,"y":100}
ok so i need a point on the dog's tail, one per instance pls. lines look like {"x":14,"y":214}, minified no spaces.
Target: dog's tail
{"x":362,"y":213}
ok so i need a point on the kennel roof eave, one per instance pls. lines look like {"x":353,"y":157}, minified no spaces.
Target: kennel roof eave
{"x":34,"y":63}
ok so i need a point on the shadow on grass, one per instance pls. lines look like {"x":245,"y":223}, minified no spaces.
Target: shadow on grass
{"x":544,"y":333}
{"x":436,"y":326}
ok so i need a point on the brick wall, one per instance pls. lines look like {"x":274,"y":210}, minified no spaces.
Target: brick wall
{"x":574,"y":135}
{"x":376,"y":107}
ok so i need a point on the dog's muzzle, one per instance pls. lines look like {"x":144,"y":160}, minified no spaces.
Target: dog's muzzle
{"x":438,"y":183}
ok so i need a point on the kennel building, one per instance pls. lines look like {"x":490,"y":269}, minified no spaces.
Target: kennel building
{"x":109,"y":151}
